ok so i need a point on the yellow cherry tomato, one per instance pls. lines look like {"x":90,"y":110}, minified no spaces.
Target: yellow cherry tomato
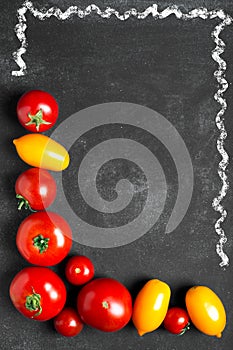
{"x":206,"y":310}
{"x":150,"y":306}
{"x":41,"y":151}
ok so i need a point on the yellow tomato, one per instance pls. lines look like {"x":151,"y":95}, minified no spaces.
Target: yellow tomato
{"x":151,"y":305}
{"x":41,"y":151}
{"x":206,"y":310}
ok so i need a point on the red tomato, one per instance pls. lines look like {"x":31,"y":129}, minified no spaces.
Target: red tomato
{"x":38,"y":293}
{"x":105,"y":304}
{"x":44,"y":238}
{"x":79,"y":270}
{"x":36,"y":189}
{"x":37,"y":110}
{"x":68,"y":322}
{"x":176,"y":320}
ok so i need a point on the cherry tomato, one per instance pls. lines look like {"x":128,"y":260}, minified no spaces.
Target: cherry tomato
{"x":150,"y":306}
{"x":68,"y":322}
{"x":36,"y":189}
{"x":79,"y":270}
{"x":44,"y":238}
{"x":105,"y":304}
{"x":176,"y":320}
{"x":38,"y":293}
{"x":40,"y":151}
{"x":206,"y":310}
{"x":37,"y":110}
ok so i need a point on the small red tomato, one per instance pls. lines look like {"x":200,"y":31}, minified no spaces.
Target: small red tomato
{"x":105,"y":304}
{"x":44,"y":238}
{"x":176,"y":320}
{"x":35,"y":189}
{"x":38,"y":293}
{"x":68,"y":322}
{"x":79,"y":270}
{"x":37,"y":110}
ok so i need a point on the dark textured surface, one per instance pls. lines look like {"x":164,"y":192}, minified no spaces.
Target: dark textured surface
{"x":167,"y":66}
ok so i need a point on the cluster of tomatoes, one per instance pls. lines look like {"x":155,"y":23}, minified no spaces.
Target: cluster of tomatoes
{"x":44,"y":239}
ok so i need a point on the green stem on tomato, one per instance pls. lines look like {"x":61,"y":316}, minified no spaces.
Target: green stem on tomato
{"x":23,"y":202}
{"x":33,"y":303}
{"x":185,"y":329}
{"x":41,"y":243}
{"x":37,"y":119}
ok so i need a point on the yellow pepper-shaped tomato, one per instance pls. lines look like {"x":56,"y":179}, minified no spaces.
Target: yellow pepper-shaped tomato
{"x":151,"y":306}
{"x":206,"y":310}
{"x":41,"y":151}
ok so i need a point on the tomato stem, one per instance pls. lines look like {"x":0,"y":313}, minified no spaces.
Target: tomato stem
{"x":185,"y":329}
{"x":33,"y":303}
{"x":23,"y":202}
{"x":37,"y":119}
{"x":105,"y":304}
{"x":41,"y":243}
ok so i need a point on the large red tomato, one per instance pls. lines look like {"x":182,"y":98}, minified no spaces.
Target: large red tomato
{"x":105,"y":304}
{"x":44,"y":238}
{"x":35,"y":188}
{"x":37,"y":110}
{"x":38,"y":293}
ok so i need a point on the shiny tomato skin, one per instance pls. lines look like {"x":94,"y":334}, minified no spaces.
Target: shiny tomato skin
{"x":206,"y":310}
{"x":40,"y":281}
{"x":44,"y":238}
{"x":68,"y":322}
{"x":37,"y":110}
{"x":105,"y":304}
{"x":176,"y":320}
{"x":40,"y":151}
{"x":37,"y":187}
{"x":150,"y":306}
{"x":79,"y":270}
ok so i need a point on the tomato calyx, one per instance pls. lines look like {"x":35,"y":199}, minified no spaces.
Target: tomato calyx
{"x":185,"y":329}
{"x":33,"y":303}
{"x":23,"y":202}
{"x":37,"y":119}
{"x":41,"y":243}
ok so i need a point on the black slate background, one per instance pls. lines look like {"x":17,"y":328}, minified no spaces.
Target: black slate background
{"x":167,"y":66}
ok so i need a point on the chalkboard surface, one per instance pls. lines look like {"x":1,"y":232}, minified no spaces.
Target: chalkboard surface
{"x":142,"y":89}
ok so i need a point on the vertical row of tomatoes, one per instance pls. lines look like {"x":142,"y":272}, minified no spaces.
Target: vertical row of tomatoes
{"x":44,"y":239}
